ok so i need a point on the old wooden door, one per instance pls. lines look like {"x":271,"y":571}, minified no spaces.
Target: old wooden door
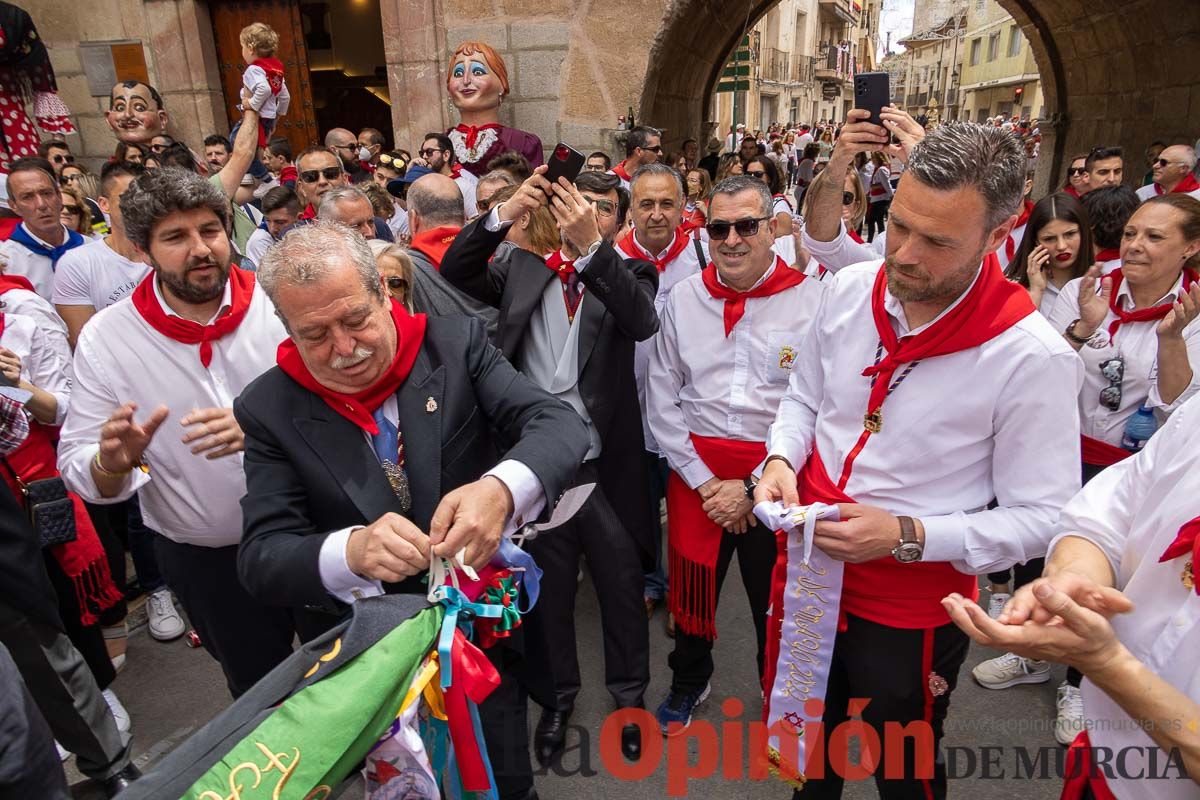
{"x":228,"y":18}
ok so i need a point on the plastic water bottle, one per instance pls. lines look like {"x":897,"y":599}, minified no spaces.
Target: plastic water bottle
{"x":1138,"y":429}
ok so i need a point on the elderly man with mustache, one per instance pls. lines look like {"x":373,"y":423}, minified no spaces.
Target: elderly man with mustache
{"x":152,"y":413}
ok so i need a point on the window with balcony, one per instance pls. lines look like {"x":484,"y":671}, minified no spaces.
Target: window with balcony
{"x":976,"y":47}
{"x":993,"y":46}
{"x":1014,"y":41}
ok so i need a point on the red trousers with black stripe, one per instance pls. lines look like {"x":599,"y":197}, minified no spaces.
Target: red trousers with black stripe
{"x":907,"y":675}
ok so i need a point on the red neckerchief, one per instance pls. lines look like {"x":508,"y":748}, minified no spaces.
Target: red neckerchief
{"x":630,"y":247}
{"x":309,"y":212}
{"x":1142,"y":314}
{"x":1188,"y":184}
{"x":1083,"y":775}
{"x":1187,"y":542}
{"x":360,"y":406}
{"x":991,"y":306}
{"x":455,"y":171}
{"x":2,"y":318}
{"x":1108,"y":254}
{"x":288,"y":173}
{"x":472,"y":131}
{"x":620,"y":171}
{"x":274,"y":69}
{"x":241,"y":290}
{"x":1010,"y":244}
{"x":434,"y":243}
{"x":564,"y":268}
{"x":854,"y":235}
{"x":15,"y":282}
{"x":1071,"y":190}
{"x":735,"y":302}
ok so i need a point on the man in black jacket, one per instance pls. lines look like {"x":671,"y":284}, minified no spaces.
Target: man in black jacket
{"x":570,"y":323}
{"x":375,"y":428}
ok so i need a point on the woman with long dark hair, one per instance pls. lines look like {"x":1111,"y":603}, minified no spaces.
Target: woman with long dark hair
{"x":764,"y":168}
{"x":1056,"y":248}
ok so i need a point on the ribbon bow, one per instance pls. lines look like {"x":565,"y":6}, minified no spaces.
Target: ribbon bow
{"x":778,"y":518}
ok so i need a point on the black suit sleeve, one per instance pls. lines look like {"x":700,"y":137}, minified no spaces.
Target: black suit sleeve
{"x":546,"y":434}
{"x":466,"y":266}
{"x":626,"y":288}
{"x":279,"y":557}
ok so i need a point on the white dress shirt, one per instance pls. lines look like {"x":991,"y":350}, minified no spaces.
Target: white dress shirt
{"x":120,"y":358}
{"x":1136,"y":343}
{"x":843,"y":251}
{"x":703,"y":382}
{"x":1133,"y":511}
{"x":32,"y":305}
{"x":95,"y":275}
{"x":467,"y":182}
{"x":684,"y":265}
{"x":1144,"y":193}
{"x":1016,"y":237}
{"x":45,"y":360}
{"x":996,"y":421}
{"x":23,"y":261}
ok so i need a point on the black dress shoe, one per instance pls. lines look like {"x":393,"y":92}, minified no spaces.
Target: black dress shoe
{"x":550,"y":735}
{"x":115,"y":784}
{"x":631,"y":742}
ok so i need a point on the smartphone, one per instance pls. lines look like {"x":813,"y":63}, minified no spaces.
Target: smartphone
{"x":565,"y":162}
{"x":872,"y":91}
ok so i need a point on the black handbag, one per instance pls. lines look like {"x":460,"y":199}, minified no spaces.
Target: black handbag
{"x":50,"y":510}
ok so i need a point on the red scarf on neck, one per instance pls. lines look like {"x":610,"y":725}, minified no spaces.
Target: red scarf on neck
{"x":1188,"y":184}
{"x":1141,"y":314}
{"x":620,"y":172}
{"x":735,"y":302}
{"x":241,"y":290}
{"x":274,"y":69}
{"x":991,"y":306}
{"x":360,"y":406}
{"x":630,"y":247}
{"x":1010,"y":244}
{"x":854,"y":235}
{"x":15,"y":282}
{"x":434,"y":243}
{"x":1109,"y":254}
{"x":309,"y":212}
{"x":472,"y":132}
{"x":1187,"y":542}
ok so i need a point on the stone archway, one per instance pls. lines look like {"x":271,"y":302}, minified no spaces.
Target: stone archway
{"x":1115,"y":72}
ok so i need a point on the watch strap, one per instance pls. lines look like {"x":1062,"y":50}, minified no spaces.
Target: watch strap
{"x":908,"y":530}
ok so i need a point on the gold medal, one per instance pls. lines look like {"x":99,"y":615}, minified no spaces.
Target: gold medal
{"x":1187,"y":578}
{"x":873,"y":421}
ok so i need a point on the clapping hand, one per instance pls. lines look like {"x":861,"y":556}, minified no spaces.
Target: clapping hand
{"x":123,"y":441}
{"x":1182,"y":312}
{"x":1093,"y":305}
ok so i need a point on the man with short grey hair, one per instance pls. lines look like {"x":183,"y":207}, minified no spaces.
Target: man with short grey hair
{"x":372,"y":447}
{"x":1172,"y":172}
{"x":349,"y":206}
{"x":190,"y":337}
{"x":643,"y":145}
{"x":932,"y":412}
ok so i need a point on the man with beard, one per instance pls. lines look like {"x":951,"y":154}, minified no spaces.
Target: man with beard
{"x":344,"y":145}
{"x":196,"y":332}
{"x":437,"y":153}
{"x":926,"y":388}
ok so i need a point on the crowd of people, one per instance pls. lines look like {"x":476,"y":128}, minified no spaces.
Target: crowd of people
{"x":282,"y":382}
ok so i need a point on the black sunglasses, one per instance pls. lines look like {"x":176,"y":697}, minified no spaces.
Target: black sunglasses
{"x":1113,"y":371}
{"x":1076,"y":170}
{"x":67,"y":159}
{"x":719,"y":231}
{"x":847,"y":198}
{"x":656,"y":149}
{"x":72,"y":210}
{"x":757,"y":173}
{"x":313,"y":175}
{"x":428,"y":152}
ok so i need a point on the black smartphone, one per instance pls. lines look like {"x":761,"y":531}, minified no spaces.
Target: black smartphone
{"x":872,"y":91}
{"x":564,"y":162}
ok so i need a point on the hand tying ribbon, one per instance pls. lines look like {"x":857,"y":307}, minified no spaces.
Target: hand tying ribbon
{"x":776,"y":517}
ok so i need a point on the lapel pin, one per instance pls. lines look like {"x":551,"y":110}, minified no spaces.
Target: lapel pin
{"x":430,"y":406}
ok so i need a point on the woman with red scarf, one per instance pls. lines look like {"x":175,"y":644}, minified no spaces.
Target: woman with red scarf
{"x":40,"y":364}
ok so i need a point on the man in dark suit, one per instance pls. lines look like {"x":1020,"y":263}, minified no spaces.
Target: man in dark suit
{"x":570,"y":323}
{"x":375,"y":428}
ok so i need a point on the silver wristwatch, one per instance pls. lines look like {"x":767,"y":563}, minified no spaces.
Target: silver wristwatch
{"x":909,"y":549}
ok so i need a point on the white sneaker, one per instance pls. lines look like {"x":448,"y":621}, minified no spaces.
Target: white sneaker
{"x":996,"y":604}
{"x":118,"y":711}
{"x":165,"y":622}
{"x":1069,"y":722}
{"x":63,"y":753}
{"x":1010,"y":669}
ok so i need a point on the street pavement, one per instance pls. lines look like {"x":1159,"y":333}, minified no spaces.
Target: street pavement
{"x":170,"y":690}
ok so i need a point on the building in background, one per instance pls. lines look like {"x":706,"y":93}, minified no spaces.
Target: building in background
{"x":933,"y":58}
{"x":999,"y":75}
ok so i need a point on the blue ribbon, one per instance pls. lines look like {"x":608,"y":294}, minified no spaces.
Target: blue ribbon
{"x":531,"y":574}
{"x":455,"y":603}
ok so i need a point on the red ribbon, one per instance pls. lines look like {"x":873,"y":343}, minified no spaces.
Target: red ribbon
{"x":472,"y":131}
{"x":474,"y":679}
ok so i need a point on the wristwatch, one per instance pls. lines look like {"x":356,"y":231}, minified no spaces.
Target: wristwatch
{"x":909,"y":549}
{"x":750,"y":485}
